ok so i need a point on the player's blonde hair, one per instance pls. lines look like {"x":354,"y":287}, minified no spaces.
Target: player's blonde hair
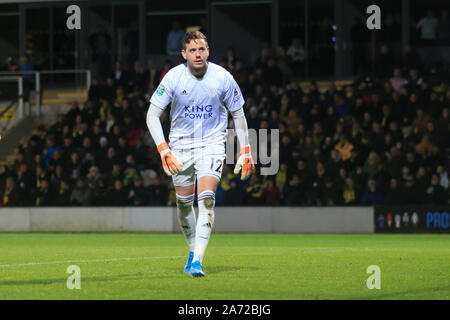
{"x":193,"y":35}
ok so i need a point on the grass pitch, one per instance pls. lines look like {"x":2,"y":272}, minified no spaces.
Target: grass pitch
{"x":237,"y":266}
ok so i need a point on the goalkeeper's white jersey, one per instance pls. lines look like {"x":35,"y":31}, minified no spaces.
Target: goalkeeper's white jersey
{"x":199,"y":107}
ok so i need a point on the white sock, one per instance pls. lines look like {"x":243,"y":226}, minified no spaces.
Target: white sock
{"x":205,"y":222}
{"x":186,"y":218}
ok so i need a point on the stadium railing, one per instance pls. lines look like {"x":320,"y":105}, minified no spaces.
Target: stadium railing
{"x":19,"y":93}
{"x":38,"y":82}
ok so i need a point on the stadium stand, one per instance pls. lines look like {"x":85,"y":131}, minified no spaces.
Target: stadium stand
{"x":381,"y":139}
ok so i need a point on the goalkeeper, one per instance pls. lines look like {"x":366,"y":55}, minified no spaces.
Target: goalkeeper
{"x":200,"y":93}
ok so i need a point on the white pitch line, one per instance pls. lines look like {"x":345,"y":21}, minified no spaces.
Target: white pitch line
{"x":83,"y":261}
{"x":110,"y":260}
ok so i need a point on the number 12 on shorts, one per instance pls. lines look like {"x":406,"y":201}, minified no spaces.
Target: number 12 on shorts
{"x":218,"y":163}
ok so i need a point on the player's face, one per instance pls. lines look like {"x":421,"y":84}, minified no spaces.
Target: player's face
{"x":196,"y":53}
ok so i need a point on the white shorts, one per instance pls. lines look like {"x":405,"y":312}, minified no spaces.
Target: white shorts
{"x":199,"y":162}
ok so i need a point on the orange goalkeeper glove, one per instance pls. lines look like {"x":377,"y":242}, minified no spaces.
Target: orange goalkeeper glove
{"x":245,"y":162}
{"x":170,"y":164}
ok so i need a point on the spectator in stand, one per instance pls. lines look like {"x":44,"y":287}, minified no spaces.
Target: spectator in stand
{"x":57,"y":176}
{"x":94,"y":178}
{"x":306,"y":147}
{"x":114,"y":174}
{"x":372,"y":164}
{"x":152,"y":76}
{"x":397,"y":81}
{"x":294,"y":193}
{"x":422,"y":179}
{"x":350,"y":195}
{"x":95,"y":90}
{"x":426,"y":147}
{"x":10,"y":193}
{"x":253,"y":120}
{"x":174,"y":39}
{"x":56,"y":161}
{"x":264,"y":55}
{"x":49,"y":150}
{"x":270,"y":194}
{"x":62,"y":194}
{"x":281,"y":178}
{"x":298,"y":55}
{"x":119,"y":97}
{"x":284,"y":64}
{"x":254,"y":191}
{"x":119,"y":75}
{"x":411,"y":192}
{"x":344,"y":147}
{"x":11,"y":64}
{"x":28,"y":77}
{"x":159,"y":193}
{"x":240,"y":74}
{"x":394,"y":194}
{"x":130,"y":175}
{"x":272,"y":73}
{"x":74,"y":163}
{"x":138,"y":77}
{"x":443,"y":177}
{"x":387,"y":118}
{"x":167,"y":67}
{"x":421,"y":120}
{"x":330,"y":195}
{"x":230,"y":59}
{"x":118,"y":196}
{"x":67,"y":148}
{"x":414,"y":80}
{"x":428,"y":26}
{"x":372,"y":196}
{"x":436,"y":194}
{"x":44,"y":197}
{"x":293,"y":122}
{"x":108,"y":92}
{"x":25,"y":182}
{"x":81,"y":194}
{"x":138,"y":194}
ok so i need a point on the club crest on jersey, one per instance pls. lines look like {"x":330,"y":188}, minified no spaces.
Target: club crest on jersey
{"x":160,"y":90}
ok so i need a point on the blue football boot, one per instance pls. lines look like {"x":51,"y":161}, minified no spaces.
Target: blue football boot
{"x":187,"y":268}
{"x":196,"y":269}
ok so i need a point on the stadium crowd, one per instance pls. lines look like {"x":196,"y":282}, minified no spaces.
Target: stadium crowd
{"x":382,"y":139}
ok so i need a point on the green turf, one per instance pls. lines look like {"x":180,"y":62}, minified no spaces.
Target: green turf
{"x":237,"y":266}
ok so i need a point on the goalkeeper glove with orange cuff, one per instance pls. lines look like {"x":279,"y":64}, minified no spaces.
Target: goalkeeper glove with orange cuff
{"x":170,"y":164}
{"x":245,"y":162}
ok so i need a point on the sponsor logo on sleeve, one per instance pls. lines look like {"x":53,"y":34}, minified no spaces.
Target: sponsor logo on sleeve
{"x":160,"y":90}
{"x":236,"y":96}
